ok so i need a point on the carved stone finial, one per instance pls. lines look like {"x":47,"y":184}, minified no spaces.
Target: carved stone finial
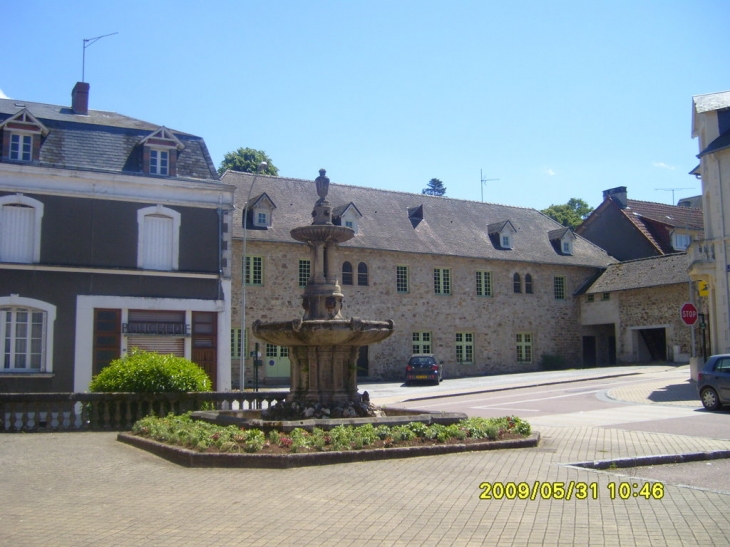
{"x":323,"y":185}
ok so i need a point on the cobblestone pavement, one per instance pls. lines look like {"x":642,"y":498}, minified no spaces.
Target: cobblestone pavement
{"x":86,"y":489}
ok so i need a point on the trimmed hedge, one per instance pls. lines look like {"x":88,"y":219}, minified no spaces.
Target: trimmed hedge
{"x":150,"y":372}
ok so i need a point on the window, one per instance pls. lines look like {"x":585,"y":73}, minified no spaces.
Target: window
{"x":26,"y":332}
{"x":346,"y":273}
{"x":254,"y":270}
{"x":21,"y":147}
{"x":305,"y":272}
{"x":559,"y":288}
{"x":567,"y":247}
{"x":506,"y":241}
{"x":442,"y":281}
{"x":236,"y":343}
{"x":484,"y":283}
{"x":159,"y":162}
{"x":421,"y":342}
{"x":262,"y":219}
{"x":362,"y":274}
{"x":606,"y":296}
{"x":524,"y":348}
{"x":680,"y":242}
{"x":401,"y":279}
{"x":464,"y":347}
{"x":590,"y":298}
{"x":350,"y":224}
{"x":528,"y":284}
{"x":20,"y":229}
{"x":158,"y":246}
{"x":517,"y":283}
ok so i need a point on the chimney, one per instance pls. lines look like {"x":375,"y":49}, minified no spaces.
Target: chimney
{"x":617,"y":194}
{"x":80,"y":99}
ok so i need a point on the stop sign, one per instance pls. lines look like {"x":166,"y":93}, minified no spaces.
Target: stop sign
{"x":688,"y":313}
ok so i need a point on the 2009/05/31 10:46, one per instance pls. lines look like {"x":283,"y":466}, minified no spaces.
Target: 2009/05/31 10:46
{"x":567,"y":491}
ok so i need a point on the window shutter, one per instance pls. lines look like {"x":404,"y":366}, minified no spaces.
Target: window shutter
{"x":157,"y":242}
{"x":16,"y":234}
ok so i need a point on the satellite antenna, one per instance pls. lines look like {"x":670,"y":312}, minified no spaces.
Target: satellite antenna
{"x":672,"y":191}
{"x":87,"y":43}
{"x":484,"y":181}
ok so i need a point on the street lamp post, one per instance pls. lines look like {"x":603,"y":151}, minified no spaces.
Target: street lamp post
{"x":242,"y":375}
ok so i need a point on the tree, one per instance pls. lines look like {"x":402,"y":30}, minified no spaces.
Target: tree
{"x":247,"y":160}
{"x":570,"y":214}
{"x":435,"y":188}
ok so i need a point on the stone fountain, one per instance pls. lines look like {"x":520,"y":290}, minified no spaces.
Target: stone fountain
{"x":323,"y":347}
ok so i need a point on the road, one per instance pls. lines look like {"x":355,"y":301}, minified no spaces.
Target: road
{"x":594,"y":403}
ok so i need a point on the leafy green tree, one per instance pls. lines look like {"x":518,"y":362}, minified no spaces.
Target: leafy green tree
{"x":435,"y":188}
{"x":247,"y":160}
{"x":570,"y":214}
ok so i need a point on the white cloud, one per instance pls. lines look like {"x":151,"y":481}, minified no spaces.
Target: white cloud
{"x":663,"y":165}
{"x":550,"y":172}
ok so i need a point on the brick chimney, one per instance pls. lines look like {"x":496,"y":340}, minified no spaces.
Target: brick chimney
{"x":80,"y":99}
{"x":617,"y":194}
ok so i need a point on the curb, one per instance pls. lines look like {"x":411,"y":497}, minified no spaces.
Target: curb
{"x":642,"y":461}
{"x":190,"y":458}
{"x":514,"y":386}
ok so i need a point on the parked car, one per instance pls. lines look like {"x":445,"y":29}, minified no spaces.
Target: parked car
{"x":424,"y":366}
{"x":713,"y":382}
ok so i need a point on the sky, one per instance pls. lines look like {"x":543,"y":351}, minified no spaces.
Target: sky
{"x":527,"y":103}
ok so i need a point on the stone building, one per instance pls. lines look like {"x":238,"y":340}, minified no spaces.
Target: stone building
{"x":635,"y":307}
{"x":487,"y":288}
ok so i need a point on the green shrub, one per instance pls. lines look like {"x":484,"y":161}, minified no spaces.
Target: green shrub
{"x":149,"y":372}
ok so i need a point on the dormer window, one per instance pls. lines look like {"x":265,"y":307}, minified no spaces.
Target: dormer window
{"x":21,"y":135}
{"x":159,"y":162}
{"x":21,"y":147}
{"x":502,"y":234}
{"x":261,"y":210}
{"x":347,"y":215}
{"x":160,"y":153}
{"x":262,"y":218}
{"x":562,"y":240}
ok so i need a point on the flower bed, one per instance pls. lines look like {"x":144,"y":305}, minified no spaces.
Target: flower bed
{"x":202,"y":437}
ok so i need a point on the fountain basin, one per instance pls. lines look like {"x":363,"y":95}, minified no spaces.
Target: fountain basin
{"x":323,"y":332}
{"x":390,"y":417}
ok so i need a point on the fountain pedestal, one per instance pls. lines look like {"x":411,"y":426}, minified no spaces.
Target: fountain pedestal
{"x":323,"y":347}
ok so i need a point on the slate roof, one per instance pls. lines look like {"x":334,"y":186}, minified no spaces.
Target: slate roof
{"x":105,"y":141}
{"x":449,"y":227}
{"x":655,"y":271}
{"x":711,"y":101}
{"x":720,"y":143}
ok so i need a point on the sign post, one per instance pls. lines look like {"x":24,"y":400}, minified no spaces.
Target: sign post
{"x":688,"y":313}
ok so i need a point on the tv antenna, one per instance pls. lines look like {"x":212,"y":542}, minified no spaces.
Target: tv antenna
{"x":87,"y":43}
{"x":484,"y":181}
{"x":672,"y":190}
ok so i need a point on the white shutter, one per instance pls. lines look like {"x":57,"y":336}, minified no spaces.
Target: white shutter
{"x":157,"y":242}
{"x":16,"y":234}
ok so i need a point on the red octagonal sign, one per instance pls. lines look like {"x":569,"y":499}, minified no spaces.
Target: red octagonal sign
{"x":688,"y":312}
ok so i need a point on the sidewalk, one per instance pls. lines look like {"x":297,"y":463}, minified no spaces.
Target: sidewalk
{"x":86,"y":489}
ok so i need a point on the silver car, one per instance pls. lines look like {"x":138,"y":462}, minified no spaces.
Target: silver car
{"x":713,"y":382}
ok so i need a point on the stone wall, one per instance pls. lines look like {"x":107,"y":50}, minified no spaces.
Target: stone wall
{"x":654,"y":307}
{"x":493,"y":321}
